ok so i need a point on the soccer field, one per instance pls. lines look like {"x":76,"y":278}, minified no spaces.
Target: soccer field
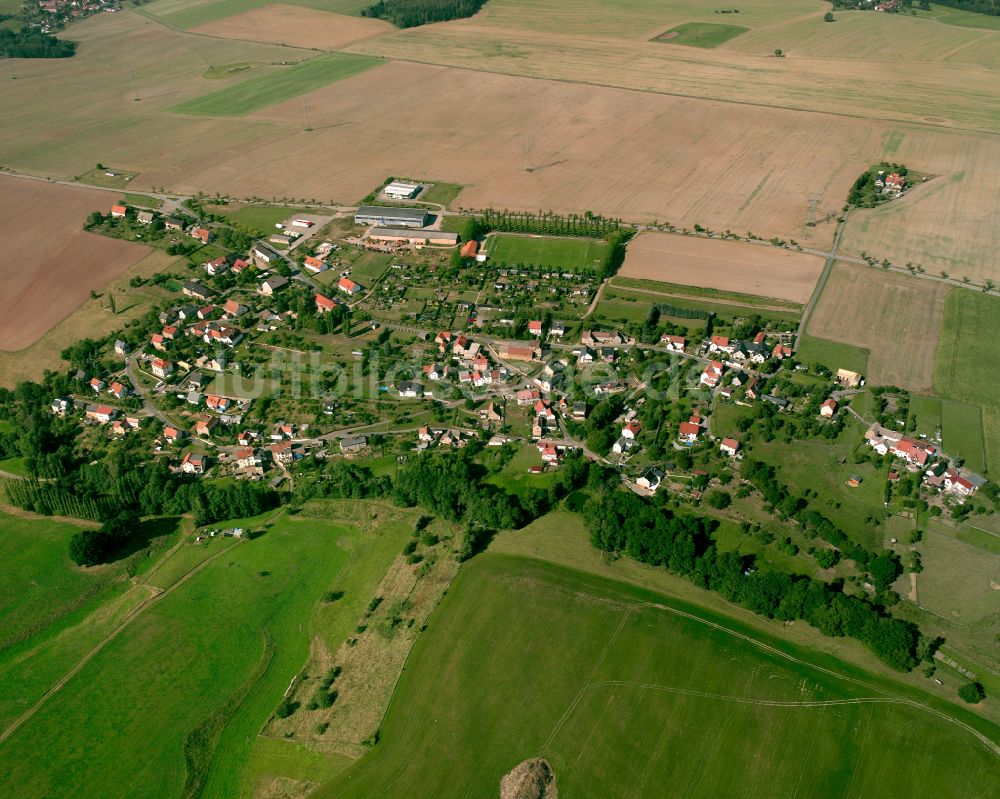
{"x":625,"y":692}
{"x":547,"y":251}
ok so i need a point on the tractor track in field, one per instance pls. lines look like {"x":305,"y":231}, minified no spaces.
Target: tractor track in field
{"x":156,"y":596}
{"x":885,"y":698}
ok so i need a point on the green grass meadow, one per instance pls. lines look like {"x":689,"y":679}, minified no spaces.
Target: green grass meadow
{"x":832,"y":354}
{"x":261,"y":217}
{"x":39,"y":584}
{"x":285,"y":83}
{"x":626,"y":692}
{"x":571,"y":254}
{"x":701,"y":34}
{"x":214,"y":655}
{"x":963,"y":368}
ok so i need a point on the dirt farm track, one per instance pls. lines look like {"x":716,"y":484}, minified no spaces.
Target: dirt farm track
{"x":49,"y":264}
{"x":726,"y":265}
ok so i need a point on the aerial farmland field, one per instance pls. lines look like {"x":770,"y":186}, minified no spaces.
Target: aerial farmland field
{"x":701,"y":34}
{"x":617,"y":665}
{"x":50,"y":264}
{"x":971,"y":325}
{"x":764,"y":271}
{"x":297,"y":26}
{"x":264,"y":90}
{"x":896,"y":318}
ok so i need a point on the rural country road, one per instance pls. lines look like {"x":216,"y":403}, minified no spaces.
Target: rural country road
{"x":831,"y":259}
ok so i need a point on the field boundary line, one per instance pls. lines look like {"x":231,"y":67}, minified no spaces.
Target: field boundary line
{"x":159,"y":594}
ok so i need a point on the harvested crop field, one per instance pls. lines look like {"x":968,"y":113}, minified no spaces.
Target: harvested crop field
{"x":50,"y":264}
{"x":760,"y":270}
{"x":296,"y":26}
{"x":949,"y":223}
{"x":898,"y":319}
{"x":564,"y":150}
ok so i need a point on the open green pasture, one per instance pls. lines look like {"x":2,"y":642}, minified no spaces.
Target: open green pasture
{"x":832,"y":354}
{"x":963,"y":365}
{"x":176,"y":699}
{"x":625,"y":691}
{"x":701,"y":34}
{"x":285,"y":83}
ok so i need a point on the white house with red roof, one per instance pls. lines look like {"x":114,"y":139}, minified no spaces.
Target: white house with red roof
{"x":828,"y":408}
{"x":720,"y":344}
{"x":161,"y":368}
{"x":712,"y":374}
{"x":118,"y":211}
{"x":216,"y":266}
{"x":535,"y":327}
{"x":193,"y":463}
{"x":324,"y":304}
{"x":314,"y":264}
{"x":217,"y":404}
{"x":688,"y":432}
{"x":631,"y":430}
{"x":673,"y":343}
{"x":729,"y":446}
{"x":231,"y":309}
{"x":348,"y":286}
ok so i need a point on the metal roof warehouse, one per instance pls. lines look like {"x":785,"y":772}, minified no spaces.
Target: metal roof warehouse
{"x":377,"y":215}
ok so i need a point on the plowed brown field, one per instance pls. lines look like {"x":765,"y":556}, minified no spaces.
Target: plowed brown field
{"x":49,"y":264}
{"x":295,"y":26}
{"x":726,"y":265}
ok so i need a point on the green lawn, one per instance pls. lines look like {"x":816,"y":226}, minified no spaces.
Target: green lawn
{"x":14,"y":466}
{"x":453,"y":224}
{"x":927,"y":413}
{"x":261,"y":91}
{"x":571,"y":254}
{"x":962,"y":367}
{"x":616,"y":311}
{"x":369,"y":267}
{"x":216,"y":653}
{"x":814,"y":464}
{"x":262,"y":218}
{"x":962,"y":433}
{"x":143,"y":201}
{"x":39,"y":584}
{"x":442,"y":193}
{"x":625,"y":691}
{"x":701,"y":34}
{"x":832,"y":355}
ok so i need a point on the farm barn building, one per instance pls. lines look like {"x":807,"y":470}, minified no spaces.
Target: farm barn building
{"x":403,"y":217}
{"x":398,"y":190}
{"x":412,"y":237}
